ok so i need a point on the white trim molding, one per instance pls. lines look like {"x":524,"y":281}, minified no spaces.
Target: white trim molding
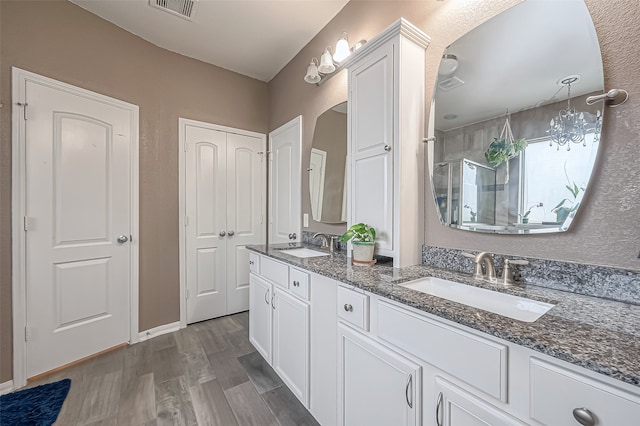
{"x":6,"y":387}
{"x":19,"y":78}
{"x":158,"y":331}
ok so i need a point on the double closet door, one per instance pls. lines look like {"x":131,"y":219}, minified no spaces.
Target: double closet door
{"x":224,"y":212}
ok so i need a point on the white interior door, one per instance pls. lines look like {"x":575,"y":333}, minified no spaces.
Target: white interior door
{"x":245,"y":213}
{"x":284,"y":183}
{"x":317,"y":167}
{"x":78,"y":221}
{"x":206,"y":230}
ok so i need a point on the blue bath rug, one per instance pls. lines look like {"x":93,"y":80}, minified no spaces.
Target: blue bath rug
{"x":37,"y":406}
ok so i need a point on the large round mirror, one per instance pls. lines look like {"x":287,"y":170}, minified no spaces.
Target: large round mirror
{"x":513,"y":139}
{"x":327,"y":166}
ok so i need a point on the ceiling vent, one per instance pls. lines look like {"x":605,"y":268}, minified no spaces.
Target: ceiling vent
{"x":450,"y":83}
{"x":181,"y":8}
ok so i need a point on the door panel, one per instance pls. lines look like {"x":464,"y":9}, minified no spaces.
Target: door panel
{"x":206,"y":258}
{"x":245,"y":198}
{"x":284,"y":183}
{"x":78,"y":200}
{"x":260,"y":320}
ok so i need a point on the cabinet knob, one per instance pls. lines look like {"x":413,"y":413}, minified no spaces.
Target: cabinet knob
{"x":584,"y":416}
{"x":348,"y":307}
{"x":387,"y":148}
{"x":251,"y":262}
{"x":292,"y":236}
{"x":296,"y":283}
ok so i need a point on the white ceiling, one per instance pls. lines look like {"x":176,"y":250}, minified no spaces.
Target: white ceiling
{"x":255,"y":38}
{"x":514,"y":60}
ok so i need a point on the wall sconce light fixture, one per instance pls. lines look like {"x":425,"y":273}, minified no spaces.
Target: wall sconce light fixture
{"x":317,"y":73}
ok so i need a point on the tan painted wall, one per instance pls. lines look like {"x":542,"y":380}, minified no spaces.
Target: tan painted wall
{"x":62,"y":41}
{"x":606,"y":232}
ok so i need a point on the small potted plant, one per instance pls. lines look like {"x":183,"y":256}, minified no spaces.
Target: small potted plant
{"x":525,"y":217}
{"x":363,"y":239}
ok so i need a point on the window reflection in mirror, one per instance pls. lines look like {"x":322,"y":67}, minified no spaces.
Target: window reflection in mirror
{"x":500,"y":91}
{"x":327,"y":190}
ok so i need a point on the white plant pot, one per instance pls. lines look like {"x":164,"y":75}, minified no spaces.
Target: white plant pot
{"x":363,"y":251}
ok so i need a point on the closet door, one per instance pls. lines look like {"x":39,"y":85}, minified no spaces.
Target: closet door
{"x":206,"y":210}
{"x":245,"y":200}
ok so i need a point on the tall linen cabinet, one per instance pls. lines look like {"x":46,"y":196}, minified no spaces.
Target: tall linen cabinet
{"x":386,"y":127}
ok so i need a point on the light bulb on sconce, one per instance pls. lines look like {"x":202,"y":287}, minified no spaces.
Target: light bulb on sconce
{"x":342,"y":49}
{"x":326,"y":62}
{"x":312,"y":75}
{"x":318,"y":72}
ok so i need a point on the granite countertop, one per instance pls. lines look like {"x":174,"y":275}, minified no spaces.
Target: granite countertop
{"x":597,"y":334}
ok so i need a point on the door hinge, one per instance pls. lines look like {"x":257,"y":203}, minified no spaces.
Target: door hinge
{"x":25,"y":223}
{"x":27,"y":333}
{"x":24,"y":109}
{"x":186,"y":221}
{"x":186,"y":147}
{"x":187,"y":294}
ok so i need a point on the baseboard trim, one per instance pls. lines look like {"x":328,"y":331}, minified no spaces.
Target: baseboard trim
{"x":6,"y":387}
{"x":158,"y":331}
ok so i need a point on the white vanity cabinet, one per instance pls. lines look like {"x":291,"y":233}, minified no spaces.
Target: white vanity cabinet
{"x":279,"y":322}
{"x":386,"y":124}
{"x":376,"y":386}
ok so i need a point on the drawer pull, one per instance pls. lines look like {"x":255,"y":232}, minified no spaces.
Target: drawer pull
{"x":266,"y":297}
{"x":272,"y":304}
{"x":584,"y":416}
{"x":438,"y":406}
{"x":296,"y":283}
{"x":348,"y":307}
{"x":406,"y":391}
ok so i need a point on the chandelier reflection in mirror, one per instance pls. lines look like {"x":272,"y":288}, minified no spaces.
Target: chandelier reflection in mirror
{"x":571,"y":126}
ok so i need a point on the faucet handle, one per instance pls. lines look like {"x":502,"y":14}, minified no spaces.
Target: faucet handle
{"x":507,"y":273}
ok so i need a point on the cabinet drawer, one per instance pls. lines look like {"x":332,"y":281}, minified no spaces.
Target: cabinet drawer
{"x":479,"y":362}
{"x":275,"y":271}
{"x":555,"y":392}
{"x":353,"y":307}
{"x":254,"y":263}
{"x":299,"y":283}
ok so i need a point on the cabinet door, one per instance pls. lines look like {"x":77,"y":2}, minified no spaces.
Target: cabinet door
{"x":371,"y":144}
{"x":260,"y":307}
{"x":291,"y":343}
{"x":454,"y":407}
{"x":376,"y":386}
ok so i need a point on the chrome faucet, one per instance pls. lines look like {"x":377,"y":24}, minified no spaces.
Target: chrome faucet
{"x":484,"y":269}
{"x":327,"y":241}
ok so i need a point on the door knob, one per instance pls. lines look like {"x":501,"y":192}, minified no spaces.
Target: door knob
{"x":222,"y":233}
{"x":123,"y":239}
{"x":387,"y":148}
{"x":230,"y":233}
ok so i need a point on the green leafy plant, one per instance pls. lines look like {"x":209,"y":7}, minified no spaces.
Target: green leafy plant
{"x":568,"y":206}
{"x":359,"y":232}
{"x":525,"y":216}
{"x":501,"y":150}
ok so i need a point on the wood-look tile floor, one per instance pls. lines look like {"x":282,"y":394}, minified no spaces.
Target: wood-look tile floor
{"x":205,"y":374}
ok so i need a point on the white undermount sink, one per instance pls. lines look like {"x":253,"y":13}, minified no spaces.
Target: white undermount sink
{"x":507,"y":305}
{"x":305,"y":252}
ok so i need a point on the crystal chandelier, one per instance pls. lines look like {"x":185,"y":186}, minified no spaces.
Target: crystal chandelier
{"x":571,"y":126}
